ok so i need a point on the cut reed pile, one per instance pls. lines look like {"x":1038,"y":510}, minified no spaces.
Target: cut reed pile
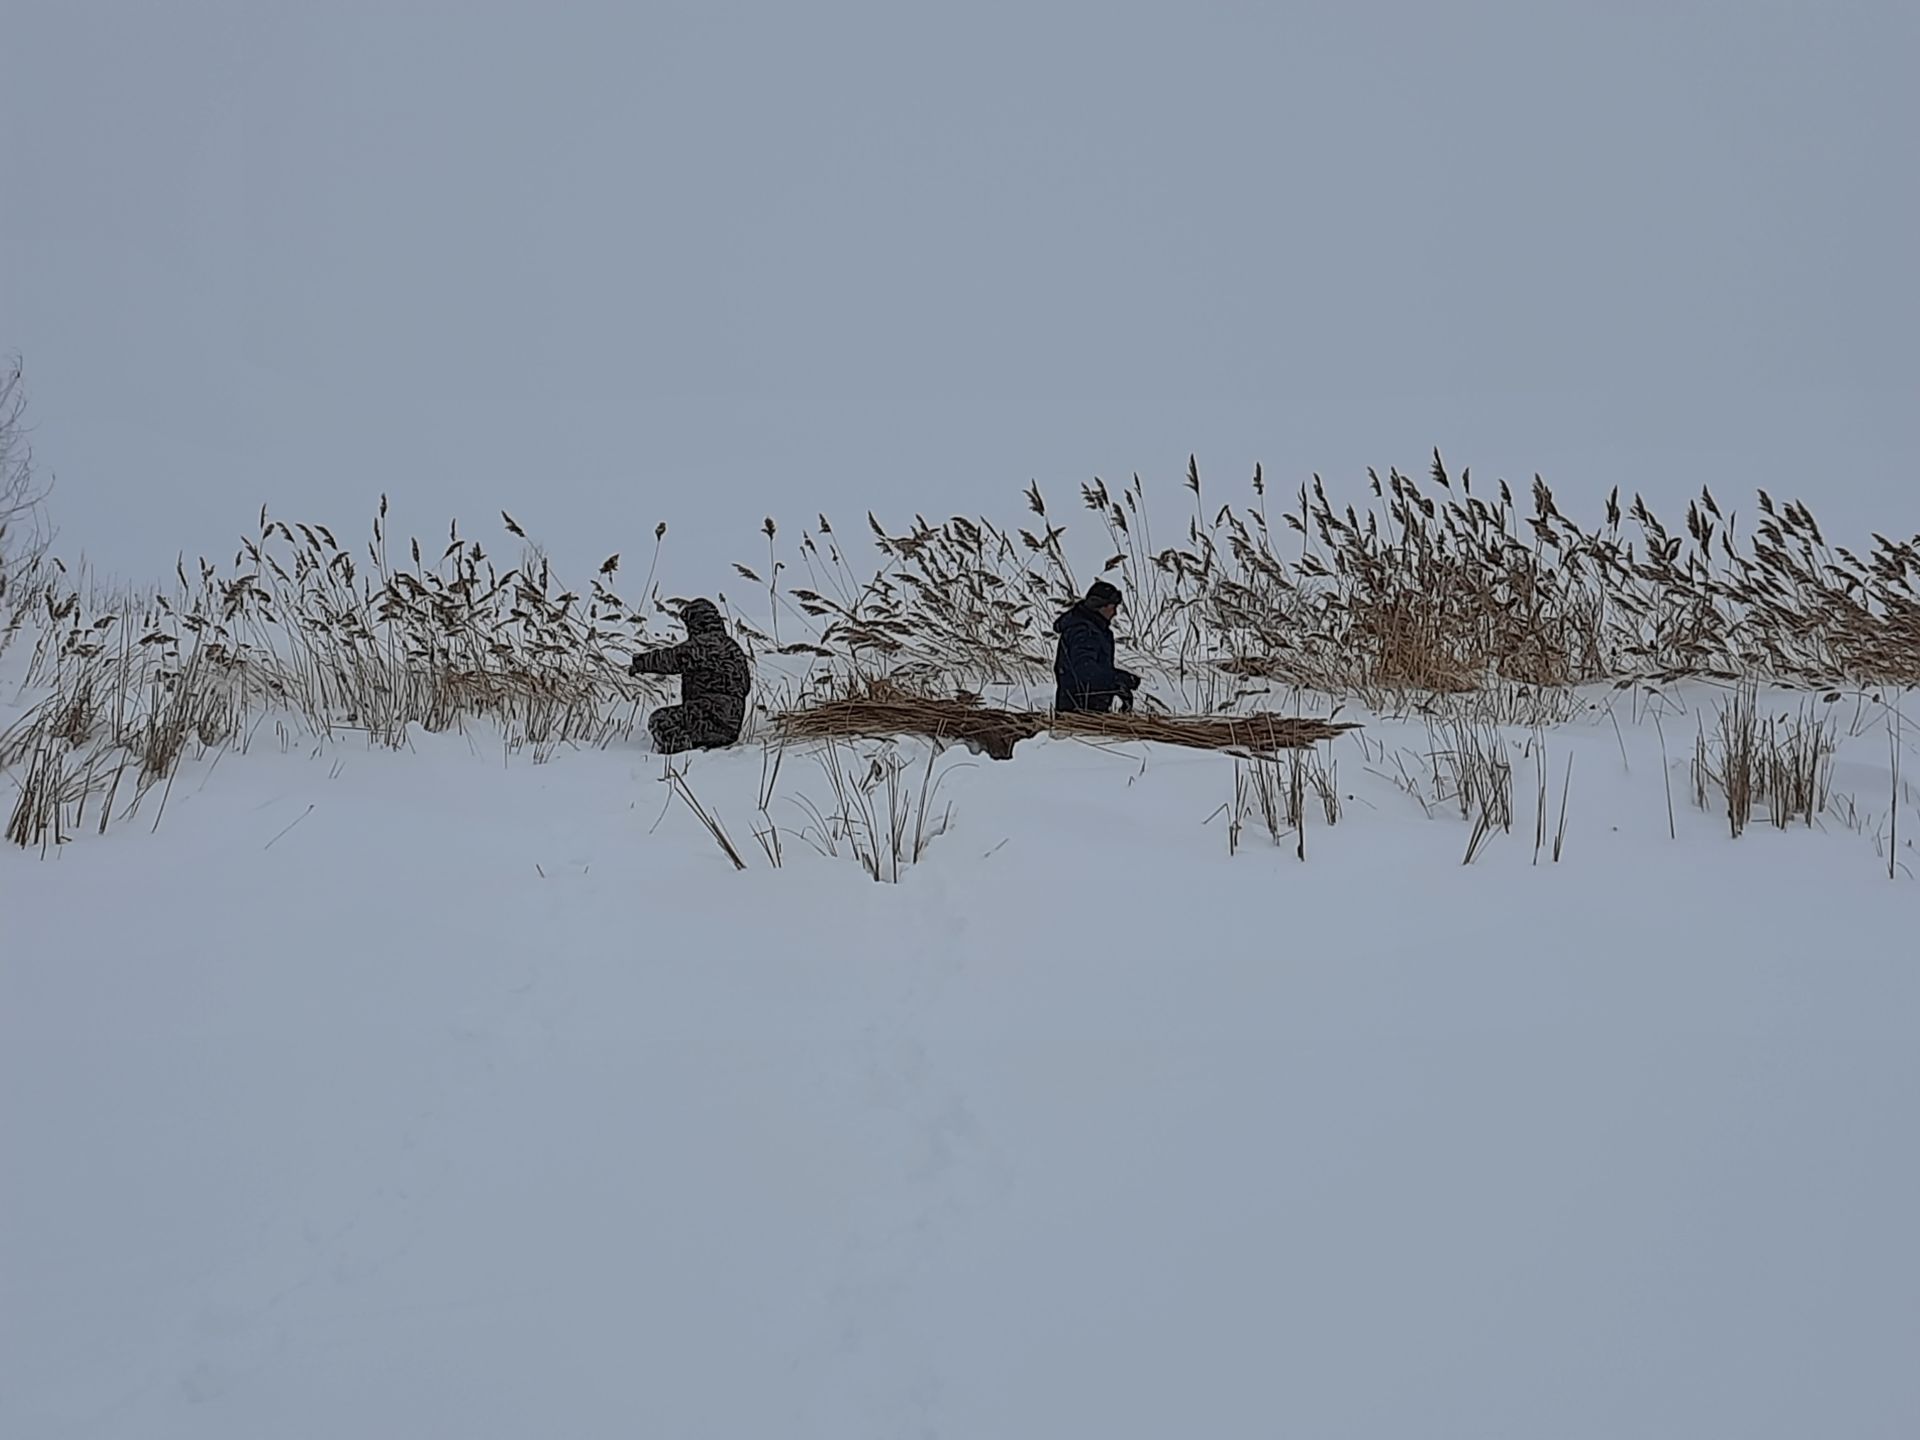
{"x":997,"y":731}
{"x":889,"y":717}
{"x":1258,"y":733}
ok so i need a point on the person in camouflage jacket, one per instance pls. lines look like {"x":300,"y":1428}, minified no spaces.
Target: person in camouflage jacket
{"x":714,"y":681}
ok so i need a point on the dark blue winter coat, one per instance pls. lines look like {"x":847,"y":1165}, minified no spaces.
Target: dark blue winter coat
{"x":1083,"y":665}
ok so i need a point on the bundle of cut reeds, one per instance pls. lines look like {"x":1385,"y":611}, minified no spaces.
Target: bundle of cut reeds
{"x":1258,"y":732}
{"x":998,"y":731}
{"x":885,"y":717}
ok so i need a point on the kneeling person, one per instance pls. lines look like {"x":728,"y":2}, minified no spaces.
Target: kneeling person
{"x":714,"y":681}
{"x":1083,"y":668}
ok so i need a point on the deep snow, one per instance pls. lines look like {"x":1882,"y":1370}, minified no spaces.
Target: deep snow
{"x":488,"y":1100}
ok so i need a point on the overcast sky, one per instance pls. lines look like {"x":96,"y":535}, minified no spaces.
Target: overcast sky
{"x":605,"y":265}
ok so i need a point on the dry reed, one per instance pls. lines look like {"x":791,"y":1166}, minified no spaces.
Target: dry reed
{"x":1432,"y":587}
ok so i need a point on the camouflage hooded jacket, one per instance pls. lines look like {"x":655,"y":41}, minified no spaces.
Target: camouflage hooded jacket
{"x":714,"y":677}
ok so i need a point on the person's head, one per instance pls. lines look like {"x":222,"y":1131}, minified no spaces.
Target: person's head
{"x":1105,"y":598}
{"x":702,"y":617}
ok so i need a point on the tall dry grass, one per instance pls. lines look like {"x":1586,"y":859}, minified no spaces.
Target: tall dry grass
{"x":1779,"y":766}
{"x":1430,"y":586}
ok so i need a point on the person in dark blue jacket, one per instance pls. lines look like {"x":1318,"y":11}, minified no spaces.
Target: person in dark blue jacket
{"x":1083,"y":661}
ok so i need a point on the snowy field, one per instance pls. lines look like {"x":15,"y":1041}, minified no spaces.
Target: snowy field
{"x":1518,"y":1066}
{"x":443,"y":1093}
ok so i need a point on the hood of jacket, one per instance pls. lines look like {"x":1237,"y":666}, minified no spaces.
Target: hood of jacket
{"x":1081,"y":614}
{"x":702,"y":617}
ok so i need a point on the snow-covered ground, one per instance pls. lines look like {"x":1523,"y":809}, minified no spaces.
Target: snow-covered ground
{"x":442,"y":1093}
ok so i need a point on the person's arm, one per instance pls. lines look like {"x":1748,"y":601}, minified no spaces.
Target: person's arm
{"x":669,"y":660}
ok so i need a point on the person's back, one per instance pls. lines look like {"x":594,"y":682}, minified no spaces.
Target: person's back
{"x":715,"y":681}
{"x":1085,"y":676}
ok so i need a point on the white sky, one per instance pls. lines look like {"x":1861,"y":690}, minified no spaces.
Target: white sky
{"x":604,"y":265}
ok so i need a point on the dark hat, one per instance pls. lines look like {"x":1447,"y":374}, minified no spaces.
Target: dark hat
{"x":1102,"y":595}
